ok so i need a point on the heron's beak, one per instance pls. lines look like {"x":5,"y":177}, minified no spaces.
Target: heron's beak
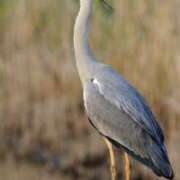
{"x":107,"y":5}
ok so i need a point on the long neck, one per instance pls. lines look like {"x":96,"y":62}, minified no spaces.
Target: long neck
{"x":84,"y":57}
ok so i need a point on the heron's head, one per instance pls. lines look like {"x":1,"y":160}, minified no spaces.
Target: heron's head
{"x":106,"y":5}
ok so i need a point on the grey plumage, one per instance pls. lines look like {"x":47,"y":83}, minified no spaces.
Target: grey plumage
{"x":121,"y":114}
{"x":114,"y":107}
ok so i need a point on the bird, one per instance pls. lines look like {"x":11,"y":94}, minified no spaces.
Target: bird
{"x":115,"y":108}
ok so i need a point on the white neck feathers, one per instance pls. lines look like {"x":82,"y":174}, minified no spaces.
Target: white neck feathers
{"x":84,"y":57}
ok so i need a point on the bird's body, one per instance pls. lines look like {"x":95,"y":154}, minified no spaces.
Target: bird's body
{"x":121,"y":114}
{"x":114,"y":107}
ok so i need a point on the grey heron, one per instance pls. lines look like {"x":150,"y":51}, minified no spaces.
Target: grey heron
{"x":115,"y":108}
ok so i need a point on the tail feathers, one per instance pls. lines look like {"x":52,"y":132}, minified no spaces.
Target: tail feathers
{"x":162,"y":166}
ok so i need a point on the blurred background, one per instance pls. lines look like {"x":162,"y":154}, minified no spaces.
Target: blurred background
{"x":44,"y":133}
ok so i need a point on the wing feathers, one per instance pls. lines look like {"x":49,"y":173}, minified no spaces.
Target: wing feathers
{"x":126,"y":98}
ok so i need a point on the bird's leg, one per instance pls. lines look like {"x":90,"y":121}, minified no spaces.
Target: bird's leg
{"x":127,"y":166}
{"x":112,"y":159}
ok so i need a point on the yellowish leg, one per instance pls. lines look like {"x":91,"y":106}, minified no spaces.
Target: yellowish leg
{"x":112,"y":159}
{"x":127,"y":166}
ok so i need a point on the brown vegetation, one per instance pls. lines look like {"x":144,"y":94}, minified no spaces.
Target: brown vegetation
{"x":44,"y":133}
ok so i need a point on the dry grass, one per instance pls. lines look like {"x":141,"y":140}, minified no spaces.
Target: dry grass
{"x":41,"y":111}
